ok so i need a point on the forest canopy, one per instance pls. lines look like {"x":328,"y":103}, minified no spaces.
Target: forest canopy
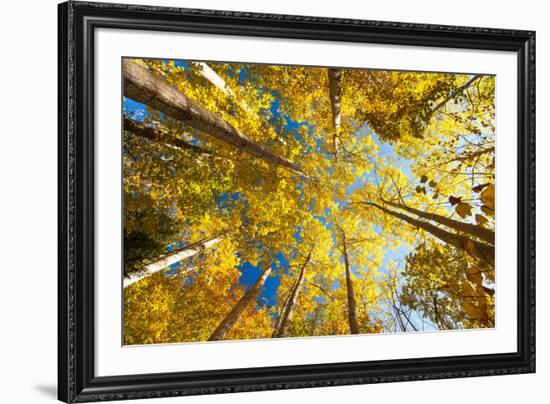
{"x":269,"y":201}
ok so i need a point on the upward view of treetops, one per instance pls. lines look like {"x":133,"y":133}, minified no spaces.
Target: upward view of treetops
{"x":268,"y":201}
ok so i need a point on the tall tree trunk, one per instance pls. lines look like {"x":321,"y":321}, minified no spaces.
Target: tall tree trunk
{"x":438,"y":321}
{"x":165,"y":262}
{"x":335,"y":89}
{"x":281,"y":311}
{"x":209,"y":74}
{"x":144,"y":87}
{"x":251,"y":295}
{"x":155,"y":135}
{"x":291,"y":303}
{"x":214,"y":78}
{"x":476,"y":249}
{"x":352,"y":303}
{"x":468,"y":228}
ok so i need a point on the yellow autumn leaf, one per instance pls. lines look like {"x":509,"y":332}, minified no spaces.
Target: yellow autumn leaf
{"x":463,"y":209}
{"x":481,"y":220}
{"x":468,"y":289}
{"x":488,"y":196}
{"x":471,"y":309}
{"x":474,"y":275}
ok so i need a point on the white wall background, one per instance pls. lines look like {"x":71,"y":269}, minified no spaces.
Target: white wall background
{"x":28,"y":164}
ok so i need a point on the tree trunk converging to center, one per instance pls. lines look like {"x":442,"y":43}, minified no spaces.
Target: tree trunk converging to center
{"x":468,"y":228}
{"x":291,"y":302}
{"x":165,"y":262}
{"x":156,"y":135}
{"x":352,"y":304}
{"x":142,"y":86}
{"x":476,"y":249}
{"x":251,"y":295}
{"x":335,"y":89}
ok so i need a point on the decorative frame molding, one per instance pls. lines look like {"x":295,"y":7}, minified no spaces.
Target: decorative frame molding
{"x":77,"y":22}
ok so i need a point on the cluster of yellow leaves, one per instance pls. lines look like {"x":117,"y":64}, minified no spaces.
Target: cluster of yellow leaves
{"x":449,"y":287}
{"x":189,"y":304}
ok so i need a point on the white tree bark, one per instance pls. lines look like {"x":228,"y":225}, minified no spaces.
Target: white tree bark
{"x":335,"y":89}
{"x":209,"y":74}
{"x":213,"y":77}
{"x":165,"y":262}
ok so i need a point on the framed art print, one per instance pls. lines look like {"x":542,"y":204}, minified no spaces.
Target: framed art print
{"x":254,"y":202}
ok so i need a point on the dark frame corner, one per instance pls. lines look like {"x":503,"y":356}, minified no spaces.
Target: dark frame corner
{"x":77,"y":22}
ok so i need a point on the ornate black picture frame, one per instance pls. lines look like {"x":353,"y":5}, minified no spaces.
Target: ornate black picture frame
{"x":77,"y":24}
